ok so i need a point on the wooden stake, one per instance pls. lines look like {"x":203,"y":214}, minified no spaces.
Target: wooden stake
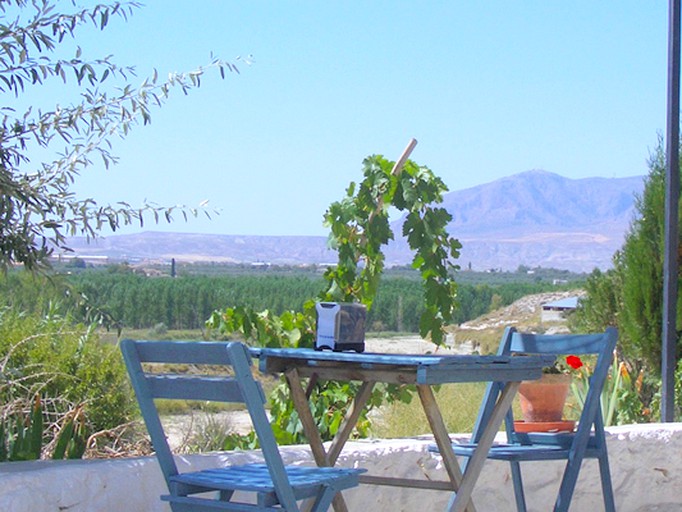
{"x":398,"y":167}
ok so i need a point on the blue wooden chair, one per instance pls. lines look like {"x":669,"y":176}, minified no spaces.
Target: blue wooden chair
{"x":277,"y":487}
{"x":588,"y":441}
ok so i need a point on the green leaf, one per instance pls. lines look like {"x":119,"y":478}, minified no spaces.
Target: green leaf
{"x":63,"y":438}
{"x":3,"y":442}
{"x":35,"y":438}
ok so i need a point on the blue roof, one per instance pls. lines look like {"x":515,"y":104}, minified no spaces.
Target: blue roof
{"x":567,"y":303}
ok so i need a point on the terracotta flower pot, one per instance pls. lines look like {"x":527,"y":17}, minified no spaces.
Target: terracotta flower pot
{"x":544,"y":399}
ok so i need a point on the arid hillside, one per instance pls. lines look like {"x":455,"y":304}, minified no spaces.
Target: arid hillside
{"x":483,"y":333}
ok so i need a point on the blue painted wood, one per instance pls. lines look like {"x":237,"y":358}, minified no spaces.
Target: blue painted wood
{"x":587,"y":442}
{"x":275,"y":486}
{"x":191,"y":388}
{"x":368,"y":359}
{"x":507,"y":369}
{"x":419,"y":369}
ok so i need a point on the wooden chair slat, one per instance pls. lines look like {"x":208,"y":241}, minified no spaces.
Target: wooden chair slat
{"x":182,"y":352}
{"x":182,"y":387}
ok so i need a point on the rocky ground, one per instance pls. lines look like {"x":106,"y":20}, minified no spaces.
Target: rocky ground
{"x":524,"y":313}
{"x":484,"y":332}
{"x":414,"y":345}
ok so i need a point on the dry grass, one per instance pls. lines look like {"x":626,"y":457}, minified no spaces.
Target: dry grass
{"x":458,"y":403}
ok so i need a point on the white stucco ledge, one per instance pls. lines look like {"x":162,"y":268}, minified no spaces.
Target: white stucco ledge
{"x":646,"y":467}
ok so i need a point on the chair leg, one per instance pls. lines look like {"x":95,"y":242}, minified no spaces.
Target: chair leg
{"x":226,"y":495}
{"x":324,"y":499}
{"x":518,"y":486}
{"x":568,"y":482}
{"x":606,"y":486}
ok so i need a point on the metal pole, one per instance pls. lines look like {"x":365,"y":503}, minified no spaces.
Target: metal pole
{"x":672,"y":199}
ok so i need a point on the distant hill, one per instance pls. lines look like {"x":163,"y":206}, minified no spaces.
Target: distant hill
{"x":537,"y":218}
{"x":539,"y":201}
{"x":158,"y":246}
{"x":534,"y":218}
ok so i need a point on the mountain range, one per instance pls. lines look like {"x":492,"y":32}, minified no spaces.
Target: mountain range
{"x":535,"y":218}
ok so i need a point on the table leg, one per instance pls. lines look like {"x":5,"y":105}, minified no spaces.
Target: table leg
{"x":473,"y":469}
{"x":307,"y":420}
{"x":351,"y":419}
{"x":442,"y":438}
{"x":323,"y":458}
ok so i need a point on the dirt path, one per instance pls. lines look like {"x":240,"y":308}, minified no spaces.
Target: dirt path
{"x":413,"y":345}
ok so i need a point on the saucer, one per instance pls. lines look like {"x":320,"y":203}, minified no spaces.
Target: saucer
{"x":544,"y":426}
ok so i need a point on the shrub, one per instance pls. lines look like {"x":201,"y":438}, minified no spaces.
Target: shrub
{"x":65,"y":365}
{"x":159,"y":329}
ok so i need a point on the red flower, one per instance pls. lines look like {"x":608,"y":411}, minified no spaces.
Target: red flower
{"x":574,"y":362}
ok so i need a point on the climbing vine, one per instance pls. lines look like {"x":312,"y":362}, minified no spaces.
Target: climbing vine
{"x":360,"y":228}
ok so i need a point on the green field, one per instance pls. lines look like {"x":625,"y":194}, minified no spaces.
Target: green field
{"x":122,"y":298}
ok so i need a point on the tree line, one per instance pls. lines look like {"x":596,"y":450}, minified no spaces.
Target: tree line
{"x":128,"y":300}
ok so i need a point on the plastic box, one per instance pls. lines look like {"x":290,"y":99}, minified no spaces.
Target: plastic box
{"x":340,"y":326}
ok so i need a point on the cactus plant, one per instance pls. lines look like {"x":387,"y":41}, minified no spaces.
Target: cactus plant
{"x":23,"y":437}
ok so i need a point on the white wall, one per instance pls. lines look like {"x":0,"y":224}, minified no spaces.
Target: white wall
{"x":646,"y":466}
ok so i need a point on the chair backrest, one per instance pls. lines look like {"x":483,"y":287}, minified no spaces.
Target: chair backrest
{"x":178,"y":381}
{"x":602,"y":345}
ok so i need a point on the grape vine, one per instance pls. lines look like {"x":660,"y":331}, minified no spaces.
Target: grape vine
{"x":360,"y":228}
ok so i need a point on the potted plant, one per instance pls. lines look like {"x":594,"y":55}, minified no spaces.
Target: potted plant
{"x":542,"y":401}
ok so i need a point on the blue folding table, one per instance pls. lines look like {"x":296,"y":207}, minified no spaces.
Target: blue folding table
{"x":424,"y":371}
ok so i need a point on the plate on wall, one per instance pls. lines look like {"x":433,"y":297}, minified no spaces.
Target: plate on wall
{"x":544,"y":426}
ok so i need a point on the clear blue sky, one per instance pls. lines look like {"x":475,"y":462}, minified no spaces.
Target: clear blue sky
{"x":489,"y":89}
